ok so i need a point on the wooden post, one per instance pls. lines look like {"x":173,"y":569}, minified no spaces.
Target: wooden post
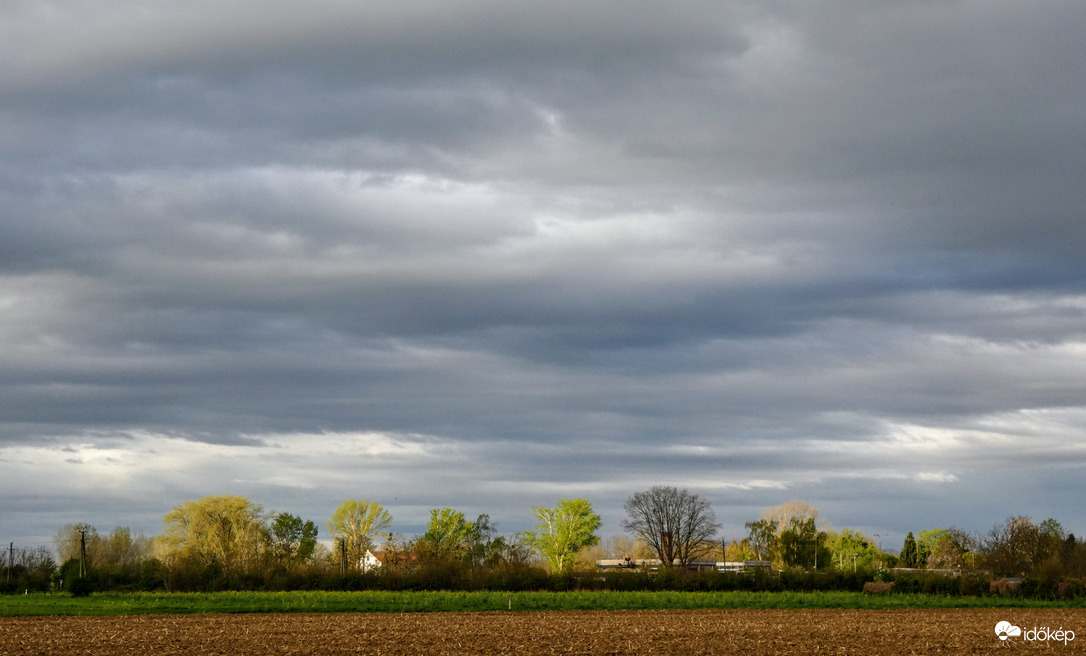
{"x":82,"y":553}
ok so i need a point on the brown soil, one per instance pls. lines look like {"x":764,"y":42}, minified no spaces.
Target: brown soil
{"x":659,"y":633}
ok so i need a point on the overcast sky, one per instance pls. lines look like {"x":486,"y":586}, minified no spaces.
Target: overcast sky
{"x":492,"y":254}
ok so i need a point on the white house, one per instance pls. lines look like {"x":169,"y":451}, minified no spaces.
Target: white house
{"x":370,"y":562}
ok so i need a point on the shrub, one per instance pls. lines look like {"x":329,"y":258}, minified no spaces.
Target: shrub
{"x":972,"y":586}
{"x":1070,"y":589}
{"x":81,"y":587}
{"x":1004,"y":587}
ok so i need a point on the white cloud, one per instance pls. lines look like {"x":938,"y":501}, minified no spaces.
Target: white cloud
{"x":936,"y":477}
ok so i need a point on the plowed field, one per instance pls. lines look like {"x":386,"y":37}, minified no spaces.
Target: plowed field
{"x":659,"y":633}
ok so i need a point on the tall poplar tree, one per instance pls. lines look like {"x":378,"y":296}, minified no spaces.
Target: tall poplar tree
{"x":354,"y":524}
{"x":563,"y":531}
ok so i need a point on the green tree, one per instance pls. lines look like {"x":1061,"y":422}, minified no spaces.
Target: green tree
{"x":228,"y":531}
{"x":741,"y":550}
{"x":947,"y":553}
{"x":762,"y":538}
{"x":484,"y":547}
{"x":446,"y":533}
{"x":293,"y":540}
{"x":353,"y":525}
{"x":27,"y":568}
{"x":802,"y":545}
{"x":927,"y":542}
{"x":785,"y":517}
{"x":851,"y":550}
{"x":910,"y":554}
{"x":563,"y":530}
{"x":1049,"y":539}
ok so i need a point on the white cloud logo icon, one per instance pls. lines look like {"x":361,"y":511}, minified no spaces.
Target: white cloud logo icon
{"x":1007,"y":630}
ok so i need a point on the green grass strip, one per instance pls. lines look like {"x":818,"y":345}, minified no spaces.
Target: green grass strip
{"x":399,"y":602}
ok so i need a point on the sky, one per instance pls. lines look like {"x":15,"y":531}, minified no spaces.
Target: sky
{"x":489,"y":255}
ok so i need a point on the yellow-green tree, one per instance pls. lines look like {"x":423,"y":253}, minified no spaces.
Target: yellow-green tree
{"x":353,"y":525}
{"x":447,"y":534}
{"x":563,"y":531}
{"x":228,"y":530}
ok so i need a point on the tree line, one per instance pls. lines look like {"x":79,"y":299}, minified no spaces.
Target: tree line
{"x":230,"y":542}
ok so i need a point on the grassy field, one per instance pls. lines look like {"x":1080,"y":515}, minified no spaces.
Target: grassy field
{"x":398,"y":602}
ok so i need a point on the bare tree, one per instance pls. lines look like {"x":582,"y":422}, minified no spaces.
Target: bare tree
{"x":1009,"y":549}
{"x":789,"y":514}
{"x":677,"y":525}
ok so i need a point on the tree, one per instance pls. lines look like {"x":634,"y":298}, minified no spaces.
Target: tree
{"x":293,"y":541}
{"x":1014,"y":548}
{"x":27,"y":568}
{"x":786,"y":515}
{"x":446,"y":534}
{"x":353,"y":525}
{"x":741,"y":550}
{"x":71,"y":540}
{"x":228,"y":531}
{"x":484,"y":546}
{"x":802,"y":545}
{"x":946,"y":554}
{"x":851,"y":550}
{"x":563,"y":530}
{"x":909,"y":552}
{"x":1049,"y":539}
{"x":762,"y":538}
{"x":926,"y":544}
{"x":516,"y":549}
{"x":679,"y":526}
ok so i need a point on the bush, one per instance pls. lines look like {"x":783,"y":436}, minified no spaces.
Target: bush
{"x":972,"y":586}
{"x":1070,"y":589}
{"x":81,"y":587}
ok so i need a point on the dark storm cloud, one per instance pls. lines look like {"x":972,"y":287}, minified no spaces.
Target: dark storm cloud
{"x":499,"y":253}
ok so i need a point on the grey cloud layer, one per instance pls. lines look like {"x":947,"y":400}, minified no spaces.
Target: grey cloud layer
{"x":772,"y":237}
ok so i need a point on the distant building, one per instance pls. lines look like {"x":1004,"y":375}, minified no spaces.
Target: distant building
{"x":743,"y":565}
{"x":371,"y":561}
{"x":628,"y":563}
{"x":705,"y":564}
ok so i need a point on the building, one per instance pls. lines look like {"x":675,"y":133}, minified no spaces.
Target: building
{"x":735,"y":566}
{"x":739,"y":566}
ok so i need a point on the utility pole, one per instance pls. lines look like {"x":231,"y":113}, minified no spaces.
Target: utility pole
{"x":82,"y":553}
{"x":11,"y":559}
